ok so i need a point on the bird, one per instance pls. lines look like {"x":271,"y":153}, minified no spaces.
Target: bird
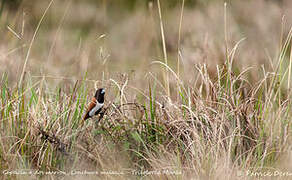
{"x":96,"y":104}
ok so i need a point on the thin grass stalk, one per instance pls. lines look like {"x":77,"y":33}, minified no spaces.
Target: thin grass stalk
{"x":225,"y":30}
{"x":32,"y":41}
{"x":282,"y":32}
{"x":228,"y":65}
{"x":178,"y":45}
{"x":289,"y":72}
{"x":58,"y":32}
{"x":164,"y":50}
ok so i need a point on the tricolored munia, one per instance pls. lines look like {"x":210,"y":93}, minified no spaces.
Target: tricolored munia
{"x":96,"y":104}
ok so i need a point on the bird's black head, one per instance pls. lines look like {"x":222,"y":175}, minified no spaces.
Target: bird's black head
{"x":99,"y":95}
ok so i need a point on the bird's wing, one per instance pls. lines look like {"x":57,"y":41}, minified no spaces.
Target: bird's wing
{"x":92,"y":104}
{"x":86,"y":115}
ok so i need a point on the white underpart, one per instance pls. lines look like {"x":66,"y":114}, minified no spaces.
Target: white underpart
{"x":96,"y":108}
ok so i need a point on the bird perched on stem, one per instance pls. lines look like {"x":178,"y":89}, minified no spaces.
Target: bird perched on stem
{"x":96,"y":104}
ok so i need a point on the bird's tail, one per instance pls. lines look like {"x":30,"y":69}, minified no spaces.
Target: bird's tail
{"x":84,"y":118}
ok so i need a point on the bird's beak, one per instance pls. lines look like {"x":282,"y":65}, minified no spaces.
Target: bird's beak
{"x":102,"y":91}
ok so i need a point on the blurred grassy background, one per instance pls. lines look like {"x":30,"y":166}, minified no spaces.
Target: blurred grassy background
{"x":69,"y":44}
